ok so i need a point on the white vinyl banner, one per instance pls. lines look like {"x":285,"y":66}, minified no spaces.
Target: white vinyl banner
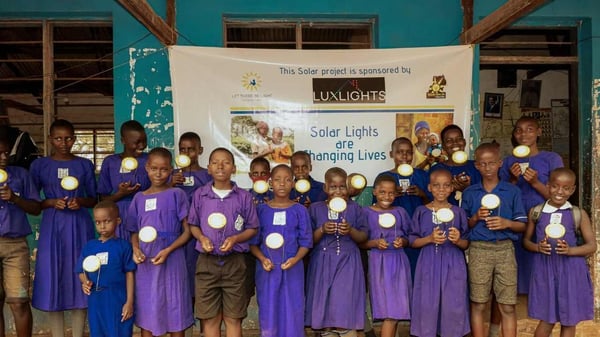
{"x":343,"y":107}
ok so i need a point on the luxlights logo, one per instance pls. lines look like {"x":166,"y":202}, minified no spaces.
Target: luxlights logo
{"x":349,"y":90}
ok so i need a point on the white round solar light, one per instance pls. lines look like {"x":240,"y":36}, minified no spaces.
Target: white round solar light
{"x":405,"y":170}
{"x":358,"y":181}
{"x":217,"y":220}
{"x":3,"y":176}
{"x":387,"y":220}
{"x":147,"y":234}
{"x":459,"y":157}
{"x":183,"y":161}
{"x":337,"y":204}
{"x":436,"y":152}
{"x":274,"y":240}
{"x":129,"y":163}
{"x":555,"y":230}
{"x":521,"y":151}
{"x":69,"y":183}
{"x":302,"y":186}
{"x":260,"y":186}
{"x":91,"y":263}
{"x":444,"y":214}
{"x":490,"y":201}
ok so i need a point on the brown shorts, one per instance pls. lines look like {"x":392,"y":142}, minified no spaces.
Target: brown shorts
{"x":493,"y":264}
{"x":221,"y":287}
{"x":14,"y":258}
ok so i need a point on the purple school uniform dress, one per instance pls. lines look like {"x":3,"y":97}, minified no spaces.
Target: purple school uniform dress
{"x":13,"y":219}
{"x":163,"y":299}
{"x":63,"y":233}
{"x":440,"y":303}
{"x":280,"y":293}
{"x":193,"y":180}
{"x":111,"y":175}
{"x":561,"y":287}
{"x":543,"y":162}
{"x":390,"y":282}
{"x":335,"y":294}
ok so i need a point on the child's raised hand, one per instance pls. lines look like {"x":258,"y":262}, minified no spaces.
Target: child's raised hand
{"x":206,"y":244}
{"x":127,"y":311}
{"x":289,"y":263}
{"x":177,"y":178}
{"x":73,"y":204}
{"x":515,"y":170}
{"x":228,"y":244}
{"x":343,"y":227}
{"x":329,"y":227}
{"x":483,"y":213}
{"x":5,"y":193}
{"x":453,"y":235}
{"x":438,"y":236}
{"x":307,"y":202}
{"x":267,"y":264}
{"x":530,"y":175}
{"x":161,"y":257}
{"x":86,"y":287}
{"x":398,"y":242}
{"x":414,"y":190}
{"x":382,"y":244}
{"x":125,"y":188}
{"x":544,"y":247}
{"x":562,"y":247}
{"x":461,"y":181}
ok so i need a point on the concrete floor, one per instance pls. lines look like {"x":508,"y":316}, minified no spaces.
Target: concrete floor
{"x":525,"y":326}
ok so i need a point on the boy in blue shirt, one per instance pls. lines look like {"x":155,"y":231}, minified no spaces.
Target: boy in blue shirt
{"x":492,"y":263}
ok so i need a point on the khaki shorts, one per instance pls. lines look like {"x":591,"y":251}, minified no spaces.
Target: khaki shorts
{"x":493,"y":264}
{"x":221,"y":286}
{"x":14,"y":258}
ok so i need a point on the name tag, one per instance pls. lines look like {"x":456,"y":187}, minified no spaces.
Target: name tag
{"x":279,"y":219}
{"x":62,"y":172}
{"x":103,"y":257}
{"x":189,"y":181}
{"x":150,"y":205}
{"x":556,"y":218}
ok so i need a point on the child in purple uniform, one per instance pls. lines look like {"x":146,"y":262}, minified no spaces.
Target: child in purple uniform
{"x":532,"y":182}
{"x":440,"y":303}
{"x":110,"y":288}
{"x":18,"y":197}
{"x":335,"y":296}
{"x":65,"y":228}
{"x":260,"y":169}
{"x":463,"y":175}
{"x":119,"y":184}
{"x":162,"y":294}
{"x":280,"y":275}
{"x":561,"y":288}
{"x":302,"y":166}
{"x":389,"y":270}
{"x":222,"y":218}
{"x":190,"y":179}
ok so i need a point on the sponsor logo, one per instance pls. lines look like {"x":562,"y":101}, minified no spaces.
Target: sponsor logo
{"x":349,"y":90}
{"x":436,"y":88}
{"x":251,"y":81}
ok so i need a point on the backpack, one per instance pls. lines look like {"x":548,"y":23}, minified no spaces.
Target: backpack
{"x":536,"y":211}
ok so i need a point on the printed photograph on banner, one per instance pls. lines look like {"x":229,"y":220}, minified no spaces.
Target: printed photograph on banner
{"x":423,"y":129}
{"x":258,"y":137}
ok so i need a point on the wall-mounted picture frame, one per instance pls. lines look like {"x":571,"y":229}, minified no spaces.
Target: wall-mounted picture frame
{"x":530,"y":93}
{"x":492,"y":105}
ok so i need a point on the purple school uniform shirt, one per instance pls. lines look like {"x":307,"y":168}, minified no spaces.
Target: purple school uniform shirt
{"x":13,"y":219}
{"x":237,"y":207}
